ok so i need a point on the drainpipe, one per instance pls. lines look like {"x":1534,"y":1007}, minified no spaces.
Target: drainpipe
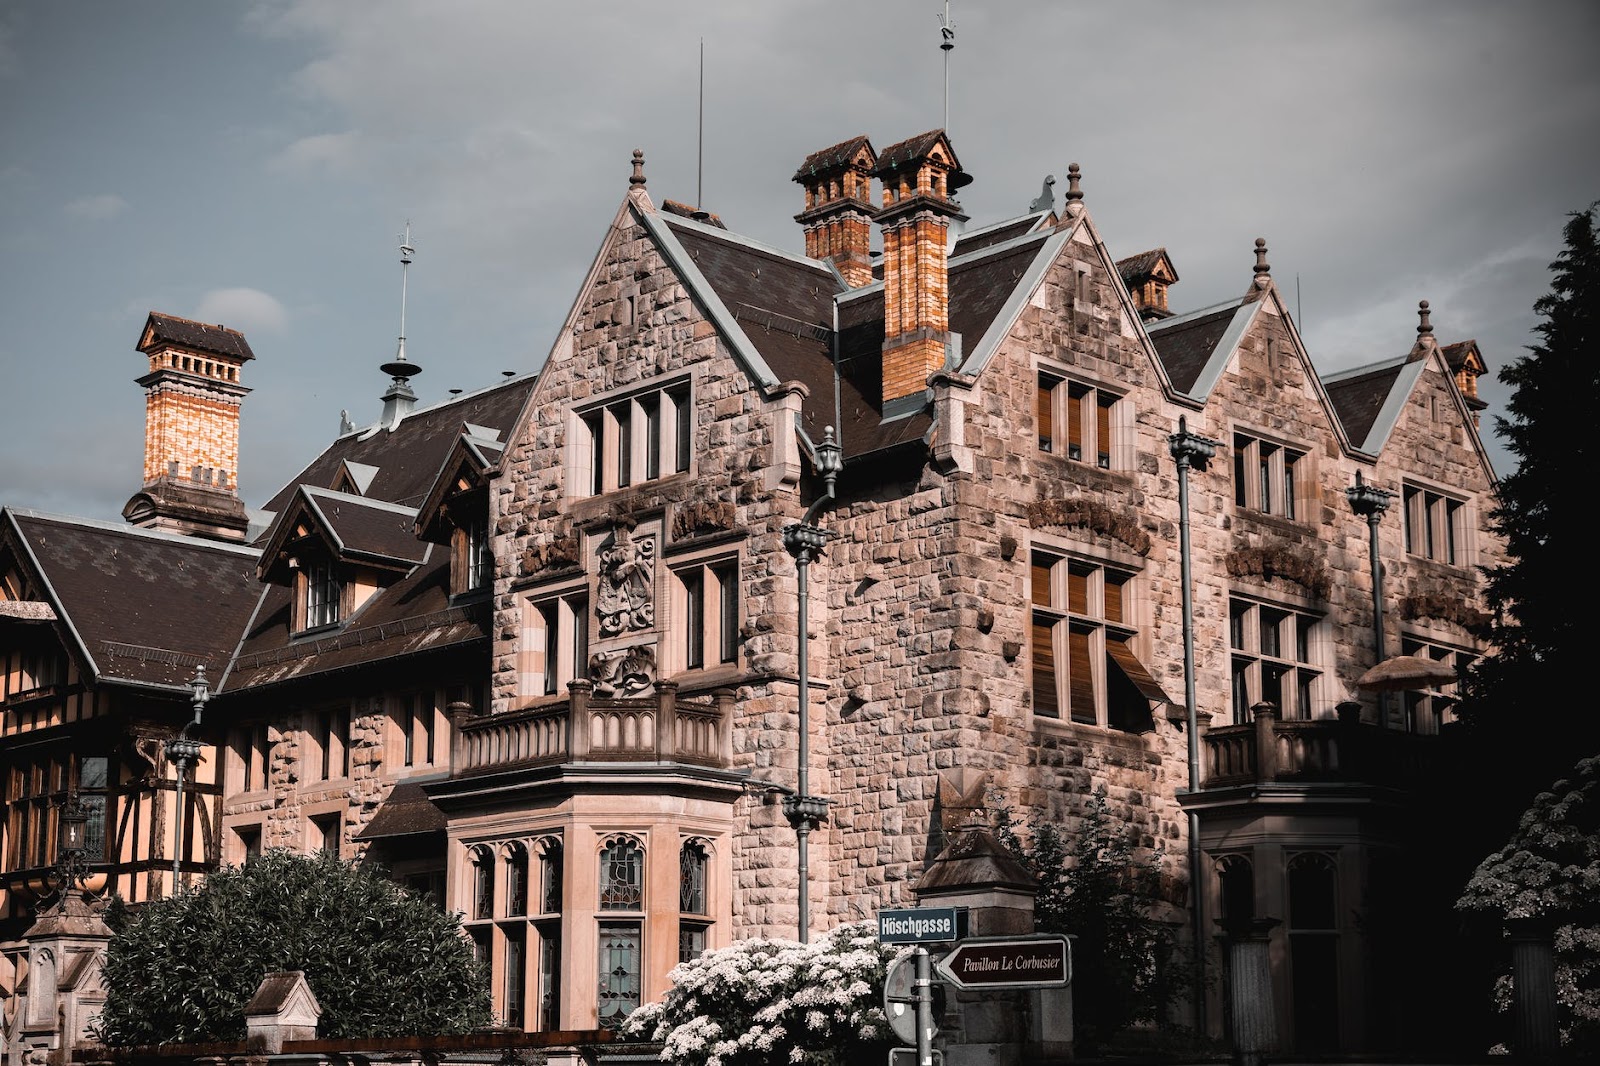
{"x":1190,"y":449}
{"x":805,"y":540}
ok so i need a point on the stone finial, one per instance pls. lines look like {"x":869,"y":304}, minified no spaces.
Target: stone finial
{"x":1262,"y":266}
{"x":638,"y":167}
{"x":1424,"y":323}
{"x":1074,"y":191}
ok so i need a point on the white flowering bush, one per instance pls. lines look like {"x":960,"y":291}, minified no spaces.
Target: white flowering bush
{"x":768,"y":1002}
{"x":1550,"y":869}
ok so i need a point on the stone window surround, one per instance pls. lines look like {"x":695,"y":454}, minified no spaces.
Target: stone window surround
{"x":1132,"y":626}
{"x":1425,"y":710}
{"x":318,"y":817}
{"x":503,"y":928}
{"x":1312,"y":674}
{"x":1102,"y":412}
{"x":712,"y":567}
{"x":1437,"y":525}
{"x":567,"y":603}
{"x":419,"y":716}
{"x":235,"y":828}
{"x":628,"y":410}
{"x":1288,"y":467}
{"x":249,"y":758}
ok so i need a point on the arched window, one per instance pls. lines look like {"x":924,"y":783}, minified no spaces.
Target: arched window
{"x":694,"y":864}
{"x":551,"y":872}
{"x":482,"y":883}
{"x":1314,"y":950}
{"x":1238,"y":881}
{"x":622,"y":875}
{"x":516,"y":880}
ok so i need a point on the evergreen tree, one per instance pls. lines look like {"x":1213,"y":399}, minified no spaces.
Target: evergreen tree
{"x":380,"y":960}
{"x":1524,"y":707}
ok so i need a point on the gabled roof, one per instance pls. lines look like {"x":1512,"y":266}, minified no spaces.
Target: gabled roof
{"x":836,"y":157}
{"x":1368,"y":400}
{"x":142,"y":607}
{"x":160,"y":330}
{"x":407,"y":456}
{"x":974,"y":240}
{"x":1137,"y":268}
{"x":465,"y":469}
{"x":1194,"y":348}
{"x":355,"y":529}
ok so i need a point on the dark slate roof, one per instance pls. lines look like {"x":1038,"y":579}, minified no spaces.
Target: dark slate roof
{"x":1455,"y":355}
{"x":146,"y":607}
{"x":408,"y":456}
{"x":909,"y":150}
{"x":989,"y":236}
{"x":833,"y":156}
{"x":677,"y":207}
{"x":406,"y":811}
{"x":1186,"y":345}
{"x":368,"y":528}
{"x":1138,"y":267}
{"x":201,"y":336}
{"x":1358,"y":398}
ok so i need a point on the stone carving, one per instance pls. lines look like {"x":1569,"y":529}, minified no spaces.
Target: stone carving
{"x":1092,"y":515}
{"x":1445,"y":608}
{"x":625,"y":601}
{"x":698,"y":516}
{"x":623,"y":671}
{"x":1268,"y":563}
{"x":554,"y":554}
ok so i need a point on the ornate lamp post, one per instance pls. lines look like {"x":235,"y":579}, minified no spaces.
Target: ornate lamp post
{"x":805,"y":540}
{"x":1370,"y":502}
{"x":72,"y":826}
{"x":183,"y":751}
{"x":1191,"y":450}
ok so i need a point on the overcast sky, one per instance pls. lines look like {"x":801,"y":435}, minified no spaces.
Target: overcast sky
{"x":253,"y":164}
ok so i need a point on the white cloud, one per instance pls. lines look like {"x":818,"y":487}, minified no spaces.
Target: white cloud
{"x":96,"y":208}
{"x":243,"y":309}
{"x":321,"y":152}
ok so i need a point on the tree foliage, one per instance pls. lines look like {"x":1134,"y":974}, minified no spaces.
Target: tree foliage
{"x":1510,"y":705}
{"x":1093,"y":887}
{"x":379,"y":959}
{"x":760,"y":1002}
{"x":1550,"y":870}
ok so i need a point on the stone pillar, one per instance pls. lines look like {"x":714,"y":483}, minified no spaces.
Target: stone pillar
{"x":1266,"y":720}
{"x":283,"y":1008}
{"x":1534,"y":1036}
{"x":1253,"y":1023}
{"x":66,"y":949}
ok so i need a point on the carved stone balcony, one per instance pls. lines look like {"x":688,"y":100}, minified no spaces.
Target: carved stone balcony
{"x":653,"y":730}
{"x":1342,"y":750}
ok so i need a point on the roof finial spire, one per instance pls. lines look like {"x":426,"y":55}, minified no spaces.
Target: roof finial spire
{"x":638,"y":168}
{"x":1074,"y":191}
{"x":1263,"y":268}
{"x":1424,"y":323}
{"x":947,"y":43}
{"x":398,"y":398}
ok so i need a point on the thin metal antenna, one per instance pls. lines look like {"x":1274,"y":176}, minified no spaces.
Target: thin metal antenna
{"x":1299,"y":319}
{"x":406,"y":252}
{"x":700,"y":163}
{"x":947,"y":42}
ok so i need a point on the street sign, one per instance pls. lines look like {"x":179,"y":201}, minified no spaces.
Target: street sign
{"x":922,"y":925}
{"x":1008,"y":962}
{"x":907,"y":1056}
{"x":900,"y":999}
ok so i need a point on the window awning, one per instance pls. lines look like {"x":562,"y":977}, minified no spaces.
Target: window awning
{"x":1122,"y":656}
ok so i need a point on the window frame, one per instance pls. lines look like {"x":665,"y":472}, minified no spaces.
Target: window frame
{"x":1269,"y":476}
{"x":706,"y":606}
{"x":556,"y":625}
{"x":632,"y":438}
{"x":1076,"y":617}
{"x":1259,"y":655}
{"x":1427,"y":710}
{"x":1436,"y":526}
{"x":1076,"y":419}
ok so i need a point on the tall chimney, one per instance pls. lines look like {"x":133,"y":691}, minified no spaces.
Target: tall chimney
{"x":191,"y":431}
{"x":838,"y":214}
{"x":920,"y":177}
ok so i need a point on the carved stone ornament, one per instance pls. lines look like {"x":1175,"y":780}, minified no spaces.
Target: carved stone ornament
{"x":1445,"y":608}
{"x":702,"y":516}
{"x":551,"y":555}
{"x":1271,"y":562}
{"x":625,"y":600}
{"x":1079,"y":513}
{"x":623,"y":671}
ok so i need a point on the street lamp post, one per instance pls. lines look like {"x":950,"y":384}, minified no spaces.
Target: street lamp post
{"x":805,"y":540}
{"x":183,"y":751}
{"x":72,"y":864}
{"x":1191,"y":450}
{"x":1370,"y":502}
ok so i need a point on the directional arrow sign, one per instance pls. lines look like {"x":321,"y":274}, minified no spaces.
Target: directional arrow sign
{"x":1008,"y":962}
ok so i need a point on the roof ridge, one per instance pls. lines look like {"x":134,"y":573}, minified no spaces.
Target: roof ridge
{"x":130,"y":530}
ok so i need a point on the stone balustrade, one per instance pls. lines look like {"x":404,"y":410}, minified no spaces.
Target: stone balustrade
{"x":1344,"y":749}
{"x":660,"y":728}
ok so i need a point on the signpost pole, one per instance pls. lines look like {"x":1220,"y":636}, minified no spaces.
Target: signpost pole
{"x":924,"y":995}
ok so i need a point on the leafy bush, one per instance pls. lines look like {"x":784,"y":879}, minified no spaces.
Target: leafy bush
{"x":1550,"y":869}
{"x":380,"y":960}
{"x":1092,"y":887}
{"x":763,"y":1002}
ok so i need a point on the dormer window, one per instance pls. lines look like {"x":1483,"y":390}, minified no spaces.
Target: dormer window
{"x":321,"y":596}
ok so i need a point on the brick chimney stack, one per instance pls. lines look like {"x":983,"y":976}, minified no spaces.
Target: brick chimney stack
{"x":1148,"y":276}
{"x":191,"y":431}
{"x":838,"y":214}
{"x":920,"y":177}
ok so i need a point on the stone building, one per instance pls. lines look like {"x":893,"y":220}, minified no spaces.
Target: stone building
{"x":538,"y":648}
